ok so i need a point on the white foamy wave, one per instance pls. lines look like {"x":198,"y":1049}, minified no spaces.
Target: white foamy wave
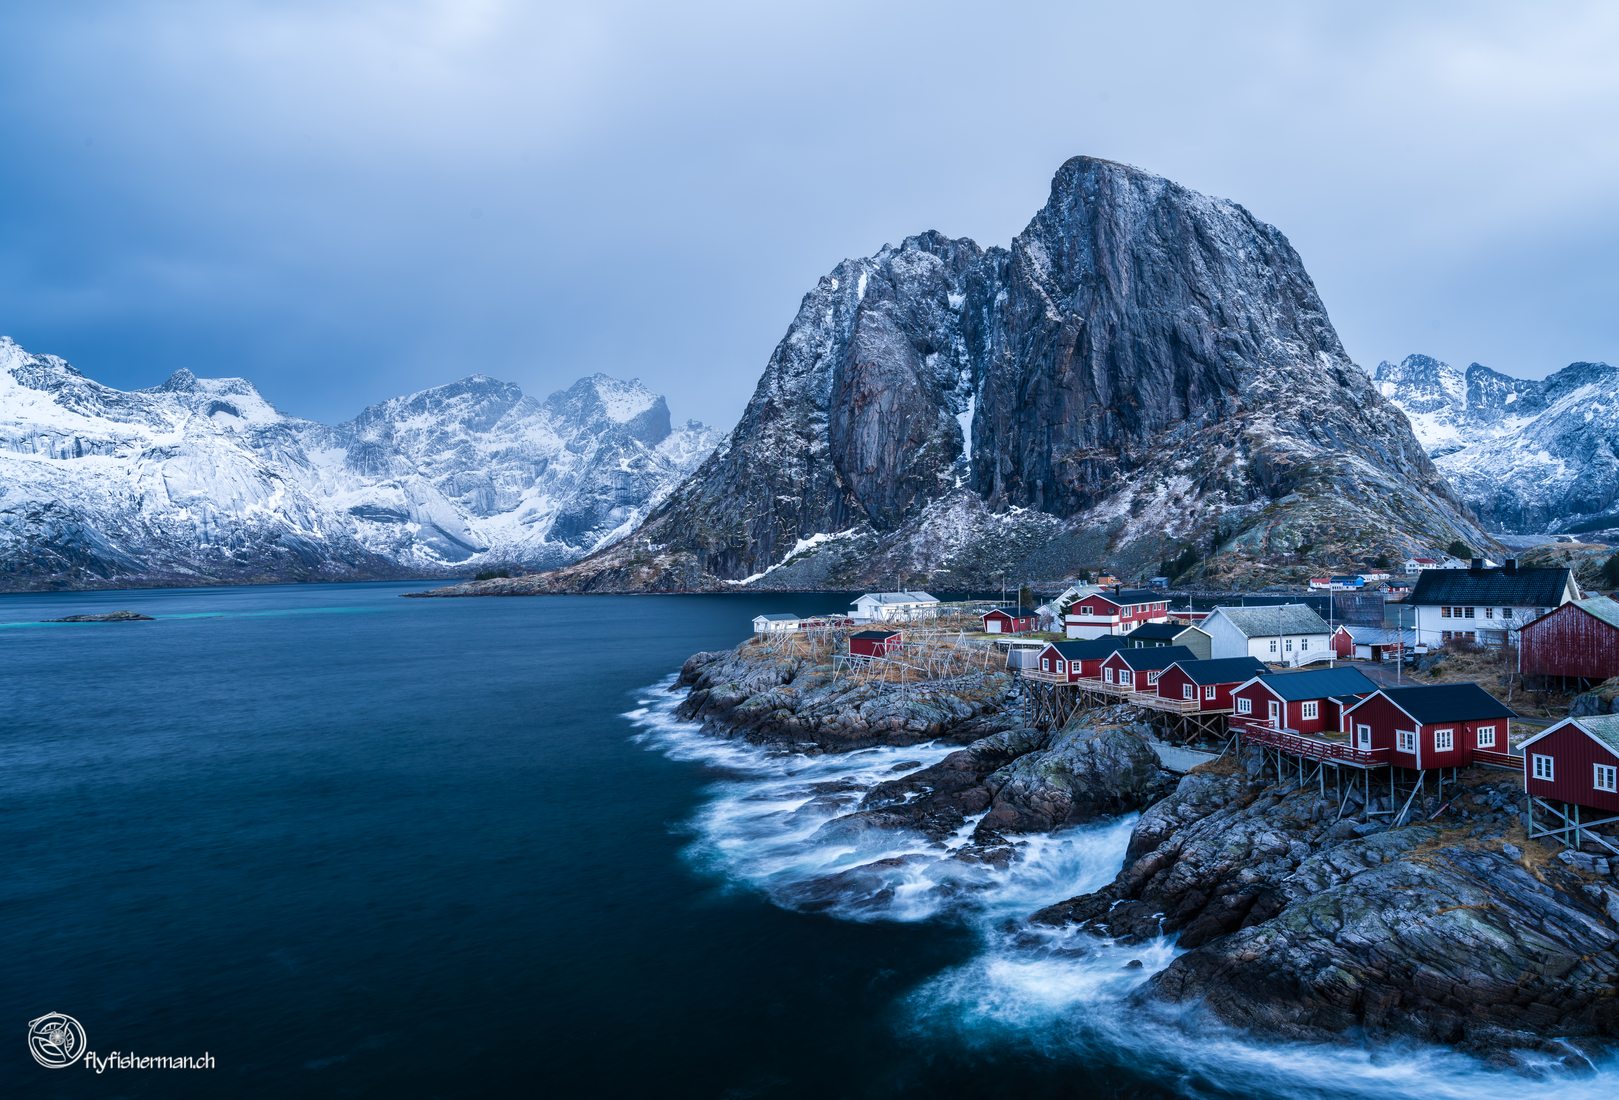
{"x":1059,"y":991}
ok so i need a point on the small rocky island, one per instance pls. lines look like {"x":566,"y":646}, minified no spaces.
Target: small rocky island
{"x":106,"y":617}
{"x":1298,"y":914}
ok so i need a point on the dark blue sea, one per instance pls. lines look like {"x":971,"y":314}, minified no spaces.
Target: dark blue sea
{"x":350,"y":844}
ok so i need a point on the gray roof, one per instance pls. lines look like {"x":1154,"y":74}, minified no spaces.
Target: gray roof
{"x":1376,"y":635}
{"x":1519,"y":588}
{"x":778,"y":617}
{"x":898,"y":597}
{"x":1601,"y":607}
{"x":1286,"y":618}
{"x":1604,"y":727}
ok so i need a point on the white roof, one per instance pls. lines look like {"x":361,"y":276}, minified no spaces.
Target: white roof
{"x":1287,"y":618}
{"x":898,"y":597}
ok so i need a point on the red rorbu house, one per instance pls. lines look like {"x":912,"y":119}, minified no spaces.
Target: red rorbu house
{"x":1578,"y":641}
{"x":1138,"y":668}
{"x":1432,"y":726}
{"x":1009,"y":620}
{"x":1115,"y":611}
{"x":873,"y":643}
{"x":1569,"y":768}
{"x":1207,"y":685}
{"x":1071,"y":662}
{"x":1300,"y":714}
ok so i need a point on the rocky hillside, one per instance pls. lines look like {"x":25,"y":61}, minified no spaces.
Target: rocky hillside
{"x":202,"y":481}
{"x":1531,"y":456}
{"x":1146,"y":372}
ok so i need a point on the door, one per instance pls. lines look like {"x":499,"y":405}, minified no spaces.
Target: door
{"x":1363,"y":736}
{"x":1276,"y":714}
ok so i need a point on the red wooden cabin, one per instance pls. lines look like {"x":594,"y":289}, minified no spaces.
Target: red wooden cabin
{"x":1115,"y":611}
{"x":1577,"y":641}
{"x":1077,"y":660}
{"x":1343,"y":643}
{"x":1304,"y":702}
{"x":1576,"y":762}
{"x":1009,"y":620}
{"x":1138,"y":668}
{"x":874,"y":643}
{"x":1207,"y":683}
{"x":1430,"y":726}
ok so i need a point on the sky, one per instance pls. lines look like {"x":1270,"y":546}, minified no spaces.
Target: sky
{"x":345,"y":202}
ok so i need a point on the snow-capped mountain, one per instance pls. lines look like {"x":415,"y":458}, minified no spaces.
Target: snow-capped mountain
{"x":202,"y":480}
{"x":1146,"y":374}
{"x":1532,"y":456}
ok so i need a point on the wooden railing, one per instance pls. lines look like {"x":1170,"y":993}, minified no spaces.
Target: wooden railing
{"x":1314,"y":747}
{"x":1046,"y":677}
{"x":1498,"y":759}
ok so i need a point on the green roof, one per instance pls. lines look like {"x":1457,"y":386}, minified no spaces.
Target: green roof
{"x":1604,"y":727}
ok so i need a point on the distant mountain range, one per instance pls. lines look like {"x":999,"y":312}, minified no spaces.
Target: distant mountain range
{"x":202,"y":481}
{"x":1146,"y":375}
{"x":1531,"y":456}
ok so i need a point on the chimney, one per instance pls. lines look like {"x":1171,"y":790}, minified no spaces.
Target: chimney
{"x":1478,"y":564}
{"x":1509,"y":566}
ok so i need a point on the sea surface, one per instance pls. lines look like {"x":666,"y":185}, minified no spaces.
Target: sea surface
{"x":350,"y":844}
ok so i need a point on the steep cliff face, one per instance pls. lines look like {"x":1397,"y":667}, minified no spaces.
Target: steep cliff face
{"x":202,"y":480}
{"x":1532,"y":456}
{"x":1145,"y":371}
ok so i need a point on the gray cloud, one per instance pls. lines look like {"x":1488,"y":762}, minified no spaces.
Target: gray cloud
{"x":346,"y":203}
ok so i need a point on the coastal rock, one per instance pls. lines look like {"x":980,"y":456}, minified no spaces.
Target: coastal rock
{"x":1603,"y":699}
{"x":1102,"y":764}
{"x":793,"y":701}
{"x":1297,"y":927}
{"x":105,"y":617}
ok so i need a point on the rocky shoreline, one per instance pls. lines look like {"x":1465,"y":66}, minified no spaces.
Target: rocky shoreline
{"x":1297,"y":914}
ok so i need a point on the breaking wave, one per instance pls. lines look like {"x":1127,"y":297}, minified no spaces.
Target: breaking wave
{"x":1060,"y":993}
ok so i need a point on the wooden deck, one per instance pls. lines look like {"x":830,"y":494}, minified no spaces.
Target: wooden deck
{"x":1332,"y":746}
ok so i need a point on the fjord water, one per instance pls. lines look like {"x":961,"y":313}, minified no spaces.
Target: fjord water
{"x":353,"y":844}
{"x":357,"y":845}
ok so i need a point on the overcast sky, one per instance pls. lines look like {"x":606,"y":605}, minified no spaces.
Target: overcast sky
{"x":344,"y":202}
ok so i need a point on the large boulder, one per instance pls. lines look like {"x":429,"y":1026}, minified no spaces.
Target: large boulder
{"x":1094,"y":768}
{"x":1603,"y":699}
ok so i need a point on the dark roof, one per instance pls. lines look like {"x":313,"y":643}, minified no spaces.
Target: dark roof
{"x":1223,"y":670}
{"x":1158,"y":632}
{"x":1320,"y":683}
{"x":873,"y":635}
{"x":1129,"y":595}
{"x":1088,"y":649}
{"x":1523,"y":588}
{"x":1154,"y":657}
{"x":1012,"y":611}
{"x":1429,"y":703}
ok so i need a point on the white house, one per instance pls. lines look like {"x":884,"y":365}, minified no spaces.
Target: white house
{"x":776,"y":624}
{"x":1283,"y":634}
{"x":1051,"y":613}
{"x":893,"y":607}
{"x":1485,"y":605}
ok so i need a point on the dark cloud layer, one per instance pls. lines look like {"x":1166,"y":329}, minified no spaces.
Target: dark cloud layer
{"x":345,"y":202}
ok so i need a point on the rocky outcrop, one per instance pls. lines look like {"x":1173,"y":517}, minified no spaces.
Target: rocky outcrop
{"x":1603,"y":699}
{"x":798,"y":702}
{"x":1304,"y":918}
{"x":1145,"y":370}
{"x":105,"y":617}
{"x":1530,"y":456}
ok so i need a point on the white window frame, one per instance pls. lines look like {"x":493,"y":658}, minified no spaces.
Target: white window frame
{"x":1543,"y":767}
{"x":1363,"y":736}
{"x":1152,"y":679}
{"x":1304,"y":645}
{"x":1060,"y":665}
{"x":1485,"y":737}
{"x":1108,"y":675}
{"x":1086,"y":610}
{"x":1187,"y":692}
{"x":1273,"y":645}
{"x":1244,"y":705}
{"x":1310,"y":710}
{"x":1444,"y":740}
{"x":1275,"y":713}
{"x":1127,"y":677}
{"x":1405,"y":741}
{"x":1209,"y":691}
{"x":1605,"y":777}
{"x":1045,"y":664}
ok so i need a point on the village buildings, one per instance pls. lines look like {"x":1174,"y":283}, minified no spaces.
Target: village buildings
{"x":1170,"y":634}
{"x":1114,"y":611}
{"x":895,"y":607}
{"x":1281,"y":634}
{"x":1485,"y":605}
{"x":1576,"y":644}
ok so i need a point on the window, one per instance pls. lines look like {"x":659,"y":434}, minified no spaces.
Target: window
{"x":1444,"y":740}
{"x":1059,"y":664}
{"x":1244,"y":706}
{"x":1405,"y":740}
{"x":1506,"y":612}
{"x":1542,"y":767}
{"x":1489,"y":612}
{"x":1486,"y":737}
{"x":1152,"y":678}
{"x":1186,"y":691}
{"x":1273,"y":645}
{"x":1605,"y":777}
{"x":1470,"y":611}
{"x":1444,"y":612}
{"x":1208,"y":691}
{"x":1083,"y":610}
{"x":1045,"y":664}
{"x":1126,"y":676}
{"x":1312,"y":709}
{"x":1290,"y":645}
{"x":1304,"y":645}
{"x":1109,"y":674}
